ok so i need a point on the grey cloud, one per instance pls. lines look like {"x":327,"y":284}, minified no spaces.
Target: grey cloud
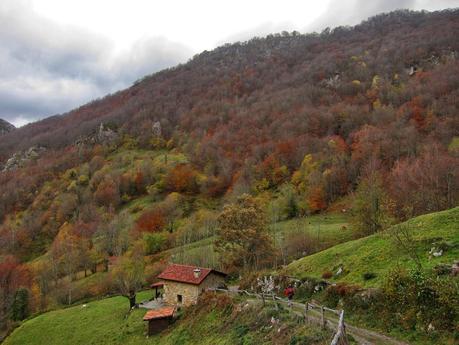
{"x":47,"y":68}
{"x":351,"y":12}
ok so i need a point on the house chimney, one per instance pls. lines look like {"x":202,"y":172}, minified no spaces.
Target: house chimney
{"x":197,"y":272}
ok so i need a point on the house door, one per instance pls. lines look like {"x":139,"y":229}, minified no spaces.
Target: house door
{"x":179,"y":299}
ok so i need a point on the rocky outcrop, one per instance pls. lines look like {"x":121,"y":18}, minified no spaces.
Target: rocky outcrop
{"x":156,"y":129}
{"x":20,"y":159}
{"x":6,"y":127}
{"x":106,"y":135}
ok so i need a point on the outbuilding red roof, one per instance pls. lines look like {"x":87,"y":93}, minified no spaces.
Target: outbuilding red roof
{"x":185,"y":274}
{"x":159,"y":313}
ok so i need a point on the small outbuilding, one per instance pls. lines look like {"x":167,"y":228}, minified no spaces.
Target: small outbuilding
{"x":183,"y":284}
{"x":159,"y":319}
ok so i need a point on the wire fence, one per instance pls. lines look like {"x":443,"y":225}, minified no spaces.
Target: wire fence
{"x":339,"y":338}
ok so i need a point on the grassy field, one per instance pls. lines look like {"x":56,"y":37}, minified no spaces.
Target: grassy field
{"x":327,"y":229}
{"x":106,"y":322}
{"x":379,"y":253}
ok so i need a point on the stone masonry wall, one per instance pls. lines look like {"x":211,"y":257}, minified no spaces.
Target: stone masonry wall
{"x":189,"y":292}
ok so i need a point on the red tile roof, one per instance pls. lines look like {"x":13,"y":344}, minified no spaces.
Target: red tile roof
{"x":158,"y":284}
{"x":159,"y":313}
{"x":185,"y":274}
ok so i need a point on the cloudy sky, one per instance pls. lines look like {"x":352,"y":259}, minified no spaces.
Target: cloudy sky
{"x":56,"y":55}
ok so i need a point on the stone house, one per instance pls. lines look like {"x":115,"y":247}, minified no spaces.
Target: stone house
{"x":183,"y":284}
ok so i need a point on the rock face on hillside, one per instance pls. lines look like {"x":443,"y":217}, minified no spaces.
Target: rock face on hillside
{"x":106,"y":135}
{"x":5,"y":127}
{"x":19,"y":159}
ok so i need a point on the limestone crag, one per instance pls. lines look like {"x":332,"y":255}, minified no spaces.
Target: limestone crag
{"x":20,"y":159}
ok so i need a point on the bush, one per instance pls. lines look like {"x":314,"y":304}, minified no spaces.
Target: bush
{"x":334,"y":293}
{"x":306,"y":289}
{"x":419,"y":299}
{"x":368,"y":275}
{"x":327,"y":275}
{"x":154,"y":242}
{"x":20,"y":307}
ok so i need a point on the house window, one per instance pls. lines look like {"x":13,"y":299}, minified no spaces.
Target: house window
{"x":179,"y":298}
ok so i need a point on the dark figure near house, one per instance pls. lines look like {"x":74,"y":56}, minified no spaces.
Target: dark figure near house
{"x":289,"y":292}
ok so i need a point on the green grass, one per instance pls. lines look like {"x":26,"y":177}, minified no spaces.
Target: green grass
{"x":107,"y":322}
{"x":101,"y":322}
{"x":199,"y":253}
{"x":379,"y":253}
{"x":328,"y":229}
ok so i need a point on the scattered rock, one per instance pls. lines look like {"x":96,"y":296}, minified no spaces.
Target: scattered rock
{"x":436,"y":252}
{"x":156,"y":129}
{"x":412,"y":70}
{"x":333,"y":81}
{"x":20,"y":159}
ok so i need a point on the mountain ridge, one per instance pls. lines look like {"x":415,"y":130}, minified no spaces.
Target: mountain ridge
{"x":6,"y":127}
{"x":230,"y":61}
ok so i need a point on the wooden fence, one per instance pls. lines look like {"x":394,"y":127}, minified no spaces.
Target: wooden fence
{"x":339,"y":337}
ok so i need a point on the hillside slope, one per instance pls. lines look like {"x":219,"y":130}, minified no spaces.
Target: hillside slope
{"x":380,"y":253}
{"x":298,"y":121}
{"x":217,"y":321}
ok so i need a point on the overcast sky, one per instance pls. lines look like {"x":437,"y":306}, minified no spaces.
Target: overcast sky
{"x":56,"y":55}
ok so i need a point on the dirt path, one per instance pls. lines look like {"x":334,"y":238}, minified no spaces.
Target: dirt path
{"x":361,"y":335}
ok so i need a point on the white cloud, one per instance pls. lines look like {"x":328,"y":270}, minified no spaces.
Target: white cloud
{"x":47,"y":67}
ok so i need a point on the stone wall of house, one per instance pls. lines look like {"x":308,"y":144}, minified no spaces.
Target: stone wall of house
{"x":212,"y":281}
{"x":189,"y":292}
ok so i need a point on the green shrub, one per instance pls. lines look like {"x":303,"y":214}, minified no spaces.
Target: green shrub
{"x":154,"y":242}
{"x":368,"y":275}
{"x":327,"y":275}
{"x":419,"y":299}
{"x":20,"y":308}
{"x":241,"y":330}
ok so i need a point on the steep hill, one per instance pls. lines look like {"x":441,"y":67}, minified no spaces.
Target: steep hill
{"x":380,"y":253}
{"x":217,"y":321}
{"x":304,"y":123}
{"x":249,"y":112}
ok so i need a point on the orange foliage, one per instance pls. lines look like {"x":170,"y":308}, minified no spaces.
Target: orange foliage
{"x":151,"y":221}
{"x":182,"y":179}
{"x":316,"y":200}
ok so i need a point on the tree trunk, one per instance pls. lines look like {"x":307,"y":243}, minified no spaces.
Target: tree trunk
{"x":131,"y":301}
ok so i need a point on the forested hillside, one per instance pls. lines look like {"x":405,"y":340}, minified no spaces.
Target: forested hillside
{"x":354,"y":128}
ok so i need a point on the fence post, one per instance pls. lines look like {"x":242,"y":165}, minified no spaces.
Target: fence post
{"x":344,"y":341}
{"x":323,"y":316}
{"x":306,"y":312}
{"x":275,"y":302}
